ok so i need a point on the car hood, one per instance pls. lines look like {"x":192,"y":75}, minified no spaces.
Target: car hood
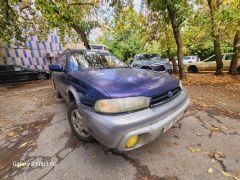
{"x":150,"y":62}
{"x":126,"y":82}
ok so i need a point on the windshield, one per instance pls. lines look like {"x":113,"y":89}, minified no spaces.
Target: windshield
{"x":94,"y":60}
{"x":147,"y":57}
{"x":187,"y":58}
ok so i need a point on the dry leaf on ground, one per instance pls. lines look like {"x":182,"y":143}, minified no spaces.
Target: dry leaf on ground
{"x":11,"y":134}
{"x":193,"y":149}
{"x":227,"y":174}
{"x":23,"y":145}
{"x":210,"y":171}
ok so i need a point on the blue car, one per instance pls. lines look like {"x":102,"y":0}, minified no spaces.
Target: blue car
{"x":121,"y":107}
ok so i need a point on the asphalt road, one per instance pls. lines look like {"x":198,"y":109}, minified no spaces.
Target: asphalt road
{"x":36,"y":143}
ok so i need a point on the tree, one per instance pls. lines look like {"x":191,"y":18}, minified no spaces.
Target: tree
{"x":214,"y":6}
{"x":124,"y":34}
{"x":20,"y":19}
{"x":231,"y":18}
{"x":233,"y":70}
{"x":13,"y":24}
{"x":176,"y":11}
{"x":161,"y":32}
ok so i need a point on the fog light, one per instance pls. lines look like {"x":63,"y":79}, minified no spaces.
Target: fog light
{"x":132,"y":141}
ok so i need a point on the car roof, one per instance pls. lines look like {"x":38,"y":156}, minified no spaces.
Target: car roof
{"x":85,"y":50}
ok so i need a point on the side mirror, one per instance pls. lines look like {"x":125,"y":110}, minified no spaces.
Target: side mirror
{"x":55,"y":67}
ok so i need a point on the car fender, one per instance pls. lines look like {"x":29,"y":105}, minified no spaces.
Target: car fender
{"x":76,"y":95}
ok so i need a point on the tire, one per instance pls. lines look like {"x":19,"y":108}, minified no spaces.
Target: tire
{"x":192,"y":69}
{"x":42,"y":76}
{"x":77,"y":125}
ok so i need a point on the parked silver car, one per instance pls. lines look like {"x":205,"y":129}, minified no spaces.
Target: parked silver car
{"x":151,"y":62}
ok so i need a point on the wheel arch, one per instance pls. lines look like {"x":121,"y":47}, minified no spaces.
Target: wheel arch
{"x":73,"y":95}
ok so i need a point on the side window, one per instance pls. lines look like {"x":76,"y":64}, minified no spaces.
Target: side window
{"x":78,"y":61}
{"x":63,"y":61}
{"x":228,"y":57}
{"x":16,"y":68}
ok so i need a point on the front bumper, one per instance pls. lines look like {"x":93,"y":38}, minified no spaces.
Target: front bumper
{"x":114,"y":130}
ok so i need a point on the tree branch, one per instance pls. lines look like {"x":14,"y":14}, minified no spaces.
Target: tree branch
{"x":26,"y":6}
{"x":81,"y":4}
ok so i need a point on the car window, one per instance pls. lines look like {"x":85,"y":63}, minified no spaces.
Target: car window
{"x":17,"y":68}
{"x":93,"y":60}
{"x":187,"y":58}
{"x":228,"y":57}
{"x":4,"y":68}
{"x":63,"y":61}
{"x":147,"y":57}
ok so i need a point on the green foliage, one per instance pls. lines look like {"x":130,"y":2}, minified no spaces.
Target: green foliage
{"x":20,"y":19}
{"x":124,"y":35}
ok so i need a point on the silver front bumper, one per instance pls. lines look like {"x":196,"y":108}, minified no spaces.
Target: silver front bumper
{"x":114,"y":130}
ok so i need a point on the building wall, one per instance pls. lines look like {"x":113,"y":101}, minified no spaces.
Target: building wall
{"x":32,"y":55}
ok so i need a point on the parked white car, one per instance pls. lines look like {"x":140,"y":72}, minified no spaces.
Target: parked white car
{"x":209,"y":64}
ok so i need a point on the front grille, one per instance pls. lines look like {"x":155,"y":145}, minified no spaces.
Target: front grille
{"x":159,"y":68}
{"x":146,"y":67}
{"x":164,"y":97}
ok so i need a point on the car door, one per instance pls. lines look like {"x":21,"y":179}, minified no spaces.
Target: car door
{"x":227,"y":61}
{"x":5,"y":74}
{"x":18,"y":74}
{"x":60,"y":77}
{"x":209,"y":64}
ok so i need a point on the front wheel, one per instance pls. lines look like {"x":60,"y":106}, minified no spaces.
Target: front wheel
{"x":77,"y":124}
{"x":42,"y":76}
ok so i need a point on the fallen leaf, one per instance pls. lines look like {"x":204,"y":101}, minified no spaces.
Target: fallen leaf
{"x":193,"y":149}
{"x":213,"y":161}
{"x":210,"y":171}
{"x":11,"y":134}
{"x":144,"y":178}
{"x":22,"y":145}
{"x":216,"y":129}
{"x":198,"y":134}
{"x":224,"y":127}
{"x":227,"y":174}
{"x":219,"y":154}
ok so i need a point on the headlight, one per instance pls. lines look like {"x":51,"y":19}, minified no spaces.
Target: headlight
{"x":180,"y":84}
{"x":119,"y":105}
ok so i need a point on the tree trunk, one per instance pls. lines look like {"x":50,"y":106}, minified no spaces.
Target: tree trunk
{"x":233,"y":70}
{"x":170,"y":55}
{"x":177,"y":36}
{"x":173,"y":60}
{"x":83,"y":35}
{"x":74,"y":26}
{"x":216,"y":38}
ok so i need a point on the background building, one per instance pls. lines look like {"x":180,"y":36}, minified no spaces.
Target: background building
{"x":34,"y":54}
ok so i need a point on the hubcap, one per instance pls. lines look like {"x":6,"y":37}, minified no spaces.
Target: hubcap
{"x":41,"y":76}
{"x":78,"y":124}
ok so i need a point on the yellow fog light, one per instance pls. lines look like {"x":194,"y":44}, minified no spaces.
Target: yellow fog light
{"x":132,"y":141}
